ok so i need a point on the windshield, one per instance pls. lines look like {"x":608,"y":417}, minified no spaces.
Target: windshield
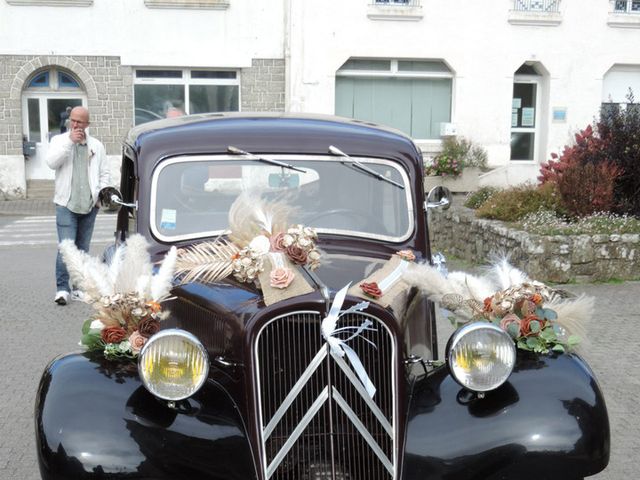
{"x":191,"y":196}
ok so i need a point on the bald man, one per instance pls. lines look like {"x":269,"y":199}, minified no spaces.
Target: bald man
{"x":82,"y":169}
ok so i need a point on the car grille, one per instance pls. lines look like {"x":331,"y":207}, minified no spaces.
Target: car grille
{"x":317,"y":422}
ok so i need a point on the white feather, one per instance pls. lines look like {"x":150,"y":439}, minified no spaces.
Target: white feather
{"x":135,"y":262}
{"x":142,"y":286}
{"x":161,"y":282}
{"x":436,"y":285}
{"x":87,"y":273}
{"x":506,"y":275}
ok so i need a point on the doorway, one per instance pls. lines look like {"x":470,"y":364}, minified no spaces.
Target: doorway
{"x":44,"y":102}
{"x":524,"y":112}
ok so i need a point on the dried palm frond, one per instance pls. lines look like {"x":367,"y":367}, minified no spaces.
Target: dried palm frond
{"x":251,"y":215}
{"x":206,"y":261}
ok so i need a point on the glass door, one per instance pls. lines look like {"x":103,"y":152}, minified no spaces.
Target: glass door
{"x":524,"y":110}
{"x":44,"y":116}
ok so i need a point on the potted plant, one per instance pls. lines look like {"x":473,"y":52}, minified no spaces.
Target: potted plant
{"x":457,"y":166}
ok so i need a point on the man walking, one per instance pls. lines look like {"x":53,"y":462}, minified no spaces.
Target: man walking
{"x":82,"y":169}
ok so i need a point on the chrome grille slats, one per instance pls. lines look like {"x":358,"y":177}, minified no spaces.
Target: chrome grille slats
{"x":349,"y":436}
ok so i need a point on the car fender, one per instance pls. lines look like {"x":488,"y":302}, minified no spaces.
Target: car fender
{"x":549,"y":420}
{"x":94,"y":418}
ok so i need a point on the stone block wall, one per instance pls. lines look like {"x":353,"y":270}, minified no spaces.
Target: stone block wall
{"x":559,"y":259}
{"x":107,"y":84}
{"x":262,"y":86}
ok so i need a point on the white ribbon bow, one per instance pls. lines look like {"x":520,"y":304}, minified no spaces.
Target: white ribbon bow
{"x":339,"y":346}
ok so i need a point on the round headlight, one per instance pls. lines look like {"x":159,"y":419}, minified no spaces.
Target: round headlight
{"x":173,"y":364}
{"x":481,"y":356}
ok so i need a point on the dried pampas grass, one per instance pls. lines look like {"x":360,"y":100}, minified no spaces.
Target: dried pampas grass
{"x":130,"y":271}
{"x":251,"y":215}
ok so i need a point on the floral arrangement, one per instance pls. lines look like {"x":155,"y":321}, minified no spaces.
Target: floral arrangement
{"x":444,"y":165}
{"x":457,"y":154}
{"x":375,"y":290}
{"x":126,"y":295}
{"x":537,"y":317}
{"x":520,"y":311}
{"x":122,"y":326}
{"x":258,"y":230}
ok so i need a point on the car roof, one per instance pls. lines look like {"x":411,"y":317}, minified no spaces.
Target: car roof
{"x":267,"y":133}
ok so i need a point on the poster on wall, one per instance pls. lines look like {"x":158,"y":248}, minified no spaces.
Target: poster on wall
{"x":559,"y":114}
{"x":528,"y":117}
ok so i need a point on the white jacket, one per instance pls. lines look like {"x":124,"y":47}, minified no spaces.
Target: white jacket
{"x":60,"y":158}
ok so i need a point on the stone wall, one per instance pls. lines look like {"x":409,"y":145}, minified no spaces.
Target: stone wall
{"x":262,"y":86}
{"x":107,"y":84}
{"x":559,"y":259}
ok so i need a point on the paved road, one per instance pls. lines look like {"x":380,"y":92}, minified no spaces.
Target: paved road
{"x":34,"y":330}
{"x":41,"y":230}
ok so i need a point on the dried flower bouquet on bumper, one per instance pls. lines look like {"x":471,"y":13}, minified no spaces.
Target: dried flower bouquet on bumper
{"x":125,"y":293}
{"x":536,"y":316}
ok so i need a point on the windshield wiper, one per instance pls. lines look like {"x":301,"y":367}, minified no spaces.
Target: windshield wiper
{"x":237,"y":151}
{"x":356,"y":164}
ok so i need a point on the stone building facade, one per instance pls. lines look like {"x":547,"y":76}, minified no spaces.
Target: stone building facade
{"x":210,"y":56}
{"x":518,"y":78}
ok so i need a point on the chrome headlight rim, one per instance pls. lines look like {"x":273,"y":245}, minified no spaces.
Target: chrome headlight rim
{"x":463,"y":332}
{"x":173,"y":332}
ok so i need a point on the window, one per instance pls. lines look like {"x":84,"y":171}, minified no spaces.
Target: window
{"x":621,"y":86}
{"x":626,"y":6}
{"x":413,"y":96}
{"x":53,"y":79}
{"x":174,"y":92}
{"x":40,"y":81}
{"x":537,"y":5}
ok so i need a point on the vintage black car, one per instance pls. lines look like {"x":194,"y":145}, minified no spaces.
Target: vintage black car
{"x":272,"y":399}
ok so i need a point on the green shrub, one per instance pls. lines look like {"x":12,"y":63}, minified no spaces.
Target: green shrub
{"x":514,"y":203}
{"x":476,"y":199}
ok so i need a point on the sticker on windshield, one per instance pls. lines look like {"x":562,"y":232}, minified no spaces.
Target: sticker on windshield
{"x":168,"y":219}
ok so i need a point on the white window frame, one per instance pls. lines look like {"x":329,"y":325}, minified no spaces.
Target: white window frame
{"x":185,"y":80}
{"x":537,"y":80}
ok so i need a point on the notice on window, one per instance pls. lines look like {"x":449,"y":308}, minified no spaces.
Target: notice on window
{"x":528,"y":117}
{"x":514,"y":117}
{"x":168,"y":219}
{"x":516,"y":103}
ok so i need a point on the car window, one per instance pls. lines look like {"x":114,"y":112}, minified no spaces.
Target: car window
{"x":191,"y":196}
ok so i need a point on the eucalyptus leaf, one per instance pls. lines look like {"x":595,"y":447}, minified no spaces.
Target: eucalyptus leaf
{"x":92,"y":341}
{"x":513,"y":330}
{"x":550,"y":314}
{"x":534,"y":343}
{"x":534,"y":326}
{"x":573,"y":340}
{"x":522,"y":344}
{"x":549,"y":334}
{"x":558,"y":348}
{"x":86,"y":326}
